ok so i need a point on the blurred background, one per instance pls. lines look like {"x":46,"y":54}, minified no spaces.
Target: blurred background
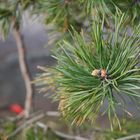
{"x":12,"y":90}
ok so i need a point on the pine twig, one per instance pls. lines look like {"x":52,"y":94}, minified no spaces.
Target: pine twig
{"x":23,"y":67}
{"x":60,"y":134}
{"x":32,"y":120}
{"x":136,"y":136}
{"x":70,"y":137}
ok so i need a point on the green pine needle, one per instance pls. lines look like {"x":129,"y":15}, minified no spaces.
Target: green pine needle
{"x":81,"y":94}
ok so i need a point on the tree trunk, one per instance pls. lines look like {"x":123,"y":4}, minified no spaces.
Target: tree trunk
{"x":24,"y":69}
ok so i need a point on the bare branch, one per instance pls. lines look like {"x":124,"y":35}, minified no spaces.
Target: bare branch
{"x":136,"y":136}
{"x":24,"y":68}
{"x":32,"y":120}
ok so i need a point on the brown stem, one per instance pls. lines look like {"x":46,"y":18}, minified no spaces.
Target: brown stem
{"x":24,"y":68}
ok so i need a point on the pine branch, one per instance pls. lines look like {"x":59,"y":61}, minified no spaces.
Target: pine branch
{"x":96,"y":70}
{"x":24,"y":69}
